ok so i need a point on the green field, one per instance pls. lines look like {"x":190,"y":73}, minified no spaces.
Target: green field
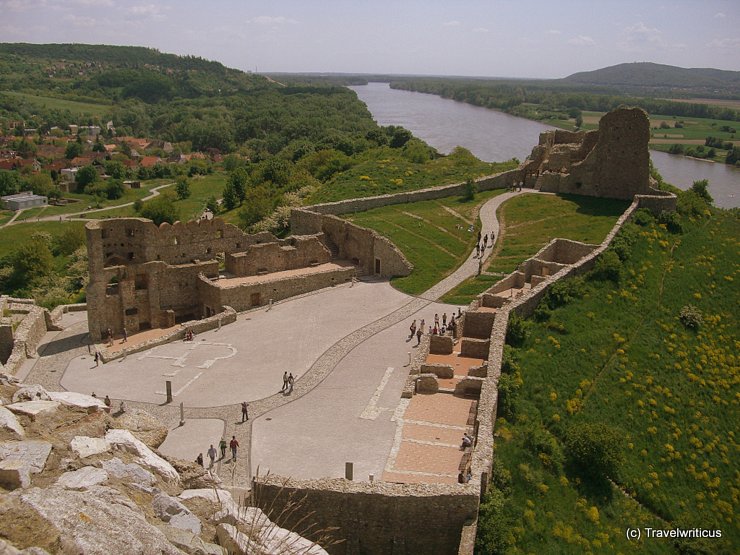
{"x":529,"y":222}
{"x":433,"y":235}
{"x":12,"y":236}
{"x":620,"y":356}
{"x":76,"y":108}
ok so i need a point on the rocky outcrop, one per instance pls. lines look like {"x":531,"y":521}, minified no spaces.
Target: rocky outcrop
{"x":74,"y":479}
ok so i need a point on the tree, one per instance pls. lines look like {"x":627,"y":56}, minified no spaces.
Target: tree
{"x":115,"y":169}
{"x":31,"y":261}
{"x":161,"y":209}
{"x":85,"y":176}
{"x":701,"y":188}
{"x":470,"y":189}
{"x":73,"y":150}
{"x":595,"y":449}
{"x":182,"y":188}
{"x":212,"y":205}
{"x":257,"y":205}
{"x":230,"y":198}
{"x":276,"y":171}
{"x":9,"y":182}
{"x":239,"y":180}
{"x":40,"y":183}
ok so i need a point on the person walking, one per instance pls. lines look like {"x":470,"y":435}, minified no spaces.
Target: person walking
{"x":485,"y":242}
{"x":212,"y":455}
{"x":291,"y":380}
{"x":125,"y":335}
{"x":444,"y":319}
{"x":222,"y":446}
{"x":418,"y":336}
{"x":233,"y":445}
{"x":245,"y":411}
{"x":199,"y":459}
{"x":436,"y":320}
{"x":285,"y":382}
{"x":477,"y":250}
{"x":97,"y":358}
{"x":412,"y":329}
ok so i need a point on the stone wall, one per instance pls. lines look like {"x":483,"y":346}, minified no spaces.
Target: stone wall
{"x":245,"y":296}
{"x":27,"y":335}
{"x":379,"y":517}
{"x":497,"y":181}
{"x":478,"y":324}
{"x":292,"y":253}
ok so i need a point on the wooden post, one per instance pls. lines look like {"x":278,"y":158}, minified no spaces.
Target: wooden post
{"x":168,"y":385}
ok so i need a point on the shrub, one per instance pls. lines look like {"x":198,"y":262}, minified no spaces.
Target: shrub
{"x":509,"y":361}
{"x":643,"y":217}
{"x":565,"y":290}
{"x":623,"y":242}
{"x":545,"y":446}
{"x":138,"y":204}
{"x":691,"y":317}
{"x":493,"y":526}
{"x":501,"y":477}
{"x":671,"y":220}
{"x":470,"y":190}
{"x":517,"y":331}
{"x":508,"y":390}
{"x":608,"y":267}
{"x":700,"y":188}
{"x":594,"y":449}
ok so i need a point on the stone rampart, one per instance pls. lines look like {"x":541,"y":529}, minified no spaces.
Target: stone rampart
{"x":26,"y":337}
{"x":377,"y":517}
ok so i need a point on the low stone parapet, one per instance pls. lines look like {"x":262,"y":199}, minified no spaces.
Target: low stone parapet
{"x":444,"y":371}
{"x":427,"y":383}
{"x":474,"y":348}
{"x":440,"y":344}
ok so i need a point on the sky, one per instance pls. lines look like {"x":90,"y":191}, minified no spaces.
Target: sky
{"x":494,"y":38}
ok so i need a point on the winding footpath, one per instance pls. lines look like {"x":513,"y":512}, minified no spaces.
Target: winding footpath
{"x":60,"y":349}
{"x":153,"y":193}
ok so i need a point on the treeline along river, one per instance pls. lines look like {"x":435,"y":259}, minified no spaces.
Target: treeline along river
{"x":495,"y":136}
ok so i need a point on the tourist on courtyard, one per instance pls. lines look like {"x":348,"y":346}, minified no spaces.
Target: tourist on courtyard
{"x":444,"y":319}
{"x":418,"y":336}
{"x":212,"y":455}
{"x":421,"y":325}
{"x":245,"y":411}
{"x":233,"y":445}
{"x":436,"y":320}
{"x":477,"y":249}
{"x":107,"y":402}
{"x":479,"y":235}
{"x":97,"y":358}
{"x":460,"y":478}
{"x":199,"y":459}
{"x":125,"y":335}
{"x":467,"y":441}
{"x":110,"y":337}
{"x":285,"y":382}
{"x":412,"y":329}
{"x":222,"y":446}
{"x":291,"y":380}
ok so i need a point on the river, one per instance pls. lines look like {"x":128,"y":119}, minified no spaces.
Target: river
{"x":495,"y":136}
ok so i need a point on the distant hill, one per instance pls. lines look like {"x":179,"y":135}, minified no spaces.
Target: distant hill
{"x":647,"y":77}
{"x":112,"y":72}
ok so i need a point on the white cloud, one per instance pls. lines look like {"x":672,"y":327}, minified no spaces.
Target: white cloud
{"x":146,"y":10}
{"x":101,"y":3}
{"x":21,"y":5}
{"x":480,"y":30}
{"x":639,"y":35}
{"x":554,"y":32}
{"x":453,"y":23}
{"x":719,"y":15}
{"x":271,"y":20}
{"x":725,"y":43}
{"x":80,"y":20}
{"x":582,"y":40}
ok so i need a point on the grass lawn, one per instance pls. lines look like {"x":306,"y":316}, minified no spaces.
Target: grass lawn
{"x":77,"y":108}
{"x":529,"y":222}
{"x":427,"y":234}
{"x":12,"y":236}
{"x":620,"y":356}
{"x":387,"y":171}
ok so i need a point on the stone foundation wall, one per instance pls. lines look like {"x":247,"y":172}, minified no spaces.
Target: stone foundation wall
{"x":478,"y":324}
{"x":27,"y":336}
{"x":440,"y":344}
{"x":293,"y":253}
{"x":246,"y":296}
{"x":380,"y":517}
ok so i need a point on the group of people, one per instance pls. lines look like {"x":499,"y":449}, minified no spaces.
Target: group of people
{"x":288,"y":381}
{"x":211,"y":453}
{"x":445,"y":327}
{"x":482,"y":244}
{"x":189,"y":335}
{"x":108,"y":404}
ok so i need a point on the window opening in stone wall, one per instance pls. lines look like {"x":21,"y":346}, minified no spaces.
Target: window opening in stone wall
{"x":131,"y":311}
{"x":104,"y":233}
{"x":130,"y":256}
{"x":141,"y":281}
{"x":112,"y":287}
{"x":377,"y":265}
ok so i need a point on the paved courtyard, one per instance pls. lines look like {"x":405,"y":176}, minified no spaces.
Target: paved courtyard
{"x":348,"y":348}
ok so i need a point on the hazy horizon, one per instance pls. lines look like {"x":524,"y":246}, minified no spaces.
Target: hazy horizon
{"x":469,"y":38}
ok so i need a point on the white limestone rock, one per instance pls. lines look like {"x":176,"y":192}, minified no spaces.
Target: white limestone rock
{"x":33,"y":408}
{"x":84,"y":446}
{"x":229,"y":512}
{"x":7,"y":379}
{"x":132,"y":472}
{"x":123,"y":439}
{"x":189,"y":542}
{"x":170,"y":509}
{"x":34,"y":392}
{"x":85,"y":477}
{"x":74,"y":399}
{"x":9,"y":423}
{"x":20,"y":459}
{"x":99,"y":521}
{"x":233,"y":540}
